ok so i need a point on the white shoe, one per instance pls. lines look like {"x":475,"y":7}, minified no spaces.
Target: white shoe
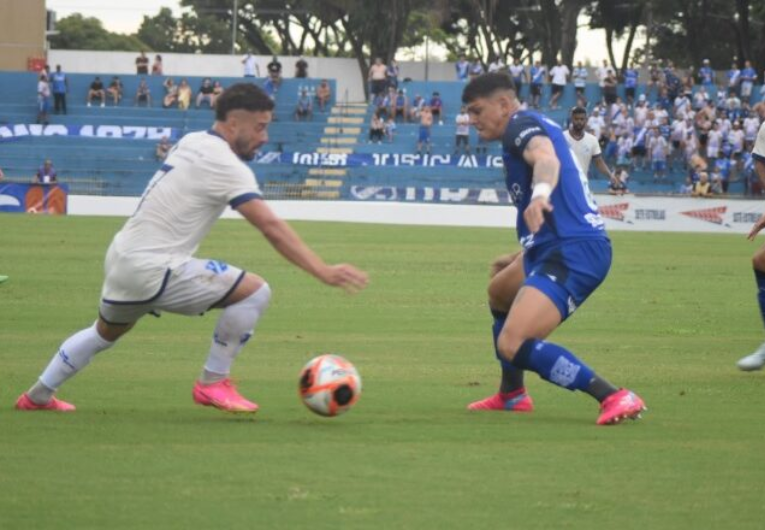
{"x":754,"y":361}
{"x":88,"y":103}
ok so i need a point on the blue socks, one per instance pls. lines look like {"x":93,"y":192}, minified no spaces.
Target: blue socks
{"x":554,"y":364}
{"x":760,"y":278}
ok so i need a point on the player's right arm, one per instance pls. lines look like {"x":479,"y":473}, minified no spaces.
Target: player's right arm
{"x":287,"y":242}
{"x":540,"y":155}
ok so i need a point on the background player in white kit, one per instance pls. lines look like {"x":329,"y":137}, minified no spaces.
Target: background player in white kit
{"x":150,"y":265}
{"x":584,"y":145}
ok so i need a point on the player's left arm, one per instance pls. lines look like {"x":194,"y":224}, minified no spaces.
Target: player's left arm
{"x":540,"y":155}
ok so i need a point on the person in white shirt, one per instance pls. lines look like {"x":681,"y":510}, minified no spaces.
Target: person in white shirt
{"x":462,"y":134}
{"x":151,"y":265}
{"x":251,"y":68}
{"x":584,"y":145}
{"x":558,"y":79}
{"x":496,"y":65}
{"x":580,"y":75}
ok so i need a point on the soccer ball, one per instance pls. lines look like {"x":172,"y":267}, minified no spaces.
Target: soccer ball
{"x":329,"y":385}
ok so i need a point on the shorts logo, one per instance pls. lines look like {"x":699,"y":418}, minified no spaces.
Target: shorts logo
{"x":564,"y":372}
{"x":218,"y":267}
{"x":571,"y":305}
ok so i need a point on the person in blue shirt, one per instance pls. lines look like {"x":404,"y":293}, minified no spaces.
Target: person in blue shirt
{"x":566,"y":254}
{"x":537,"y":74}
{"x":59,"y":86}
{"x":462,"y":67}
{"x":630,"y":76}
{"x":706,"y":74}
{"x":748,"y":78}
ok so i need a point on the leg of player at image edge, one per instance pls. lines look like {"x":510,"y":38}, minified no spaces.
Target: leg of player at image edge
{"x":756,"y":360}
{"x":3,"y":278}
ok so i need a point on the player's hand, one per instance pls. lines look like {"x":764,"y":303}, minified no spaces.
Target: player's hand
{"x":759,"y":225}
{"x":535,"y":213}
{"x":346,"y":276}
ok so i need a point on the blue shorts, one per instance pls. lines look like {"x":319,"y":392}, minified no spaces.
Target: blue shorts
{"x":424,"y":134}
{"x":567,"y":273}
{"x":659,"y":165}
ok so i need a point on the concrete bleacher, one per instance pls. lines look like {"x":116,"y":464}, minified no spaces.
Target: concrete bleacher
{"x":123,"y":165}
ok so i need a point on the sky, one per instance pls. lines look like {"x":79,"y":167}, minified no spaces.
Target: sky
{"x":126,"y":17}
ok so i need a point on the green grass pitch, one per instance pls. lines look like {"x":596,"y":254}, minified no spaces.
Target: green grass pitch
{"x":670,"y":321}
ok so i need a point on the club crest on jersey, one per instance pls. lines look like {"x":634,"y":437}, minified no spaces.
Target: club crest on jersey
{"x":218,"y":267}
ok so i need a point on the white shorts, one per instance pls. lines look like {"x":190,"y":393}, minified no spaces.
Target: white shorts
{"x":192,"y":289}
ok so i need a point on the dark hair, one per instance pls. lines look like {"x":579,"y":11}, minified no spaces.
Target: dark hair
{"x":578,"y":110}
{"x":245,"y":96}
{"x":485,"y":85}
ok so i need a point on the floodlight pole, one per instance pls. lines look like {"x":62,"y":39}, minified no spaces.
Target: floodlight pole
{"x":233,"y":28}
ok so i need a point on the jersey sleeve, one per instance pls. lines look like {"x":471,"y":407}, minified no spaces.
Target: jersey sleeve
{"x":518,"y":133}
{"x":233,"y":183}
{"x":595,"y":147}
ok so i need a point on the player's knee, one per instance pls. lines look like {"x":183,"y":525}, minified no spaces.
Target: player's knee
{"x":758,"y":260}
{"x":508,"y":345}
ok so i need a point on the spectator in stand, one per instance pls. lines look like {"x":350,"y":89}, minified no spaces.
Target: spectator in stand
{"x":171,"y":93}
{"x":301,"y":68}
{"x":184,"y":95}
{"x":751,"y":126}
{"x":476,"y":68}
{"x":415,"y":108}
{"x":142,"y":94}
{"x":609,"y":88}
{"x":518,"y":73}
{"x":391,"y":73}
{"x":462,"y":132}
{"x":658,"y":149}
{"x":714,"y":144}
{"x":584,"y":145}
{"x":580,"y":75}
{"x":217,"y":91}
{"x":436,"y":108}
{"x":702,"y":188}
{"x":46,"y":174}
{"x":706,"y":74}
{"x":399,"y":106}
{"x":162,"y":149}
{"x":275,"y":72}
{"x":142,"y":64}
{"x":558,"y":80}
{"x":390,"y":129}
{"x":156,"y":67}
{"x":496,"y":65}
{"x":603,"y":72}
{"x":624,"y":151}
{"x":462,"y":68}
{"x":60,"y":86}
{"x":271,"y":88}
{"x":43,"y":99}
{"x":630,"y":76}
{"x":96,"y":91}
{"x":686,"y":188}
{"x":304,"y":106}
{"x":251,"y":68}
{"x":655,"y":79}
{"x":323,"y":94}
{"x":689,"y":82}
{"x":734,"y":77}
{"x":537,"y":73}
{"x":378,"y":83}
{"x":376,"y":128}
{"x":617,"y":184}
{"x":115,"y":90}
{"x":748,"y":78}
{"x":205,"y":93}
{"x":426,"y":122}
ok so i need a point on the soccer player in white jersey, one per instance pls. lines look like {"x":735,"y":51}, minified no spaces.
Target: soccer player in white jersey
{"x":584,"y":145}
{"x":150,"y":265}
{"x":756,"y":360}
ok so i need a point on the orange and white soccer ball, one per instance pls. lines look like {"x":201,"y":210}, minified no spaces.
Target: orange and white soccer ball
{"x":329,"y":385}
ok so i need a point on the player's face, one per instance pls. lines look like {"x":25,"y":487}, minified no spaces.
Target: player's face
{"x":489,"y":116}
{"x":578,"y":121}
{"x":249,"y":131}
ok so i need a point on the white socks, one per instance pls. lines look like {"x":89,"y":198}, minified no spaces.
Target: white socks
{"x":235,"y":327}
{"x":74,"y":354}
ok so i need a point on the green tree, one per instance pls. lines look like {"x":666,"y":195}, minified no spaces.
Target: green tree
{"x":76,"y":32}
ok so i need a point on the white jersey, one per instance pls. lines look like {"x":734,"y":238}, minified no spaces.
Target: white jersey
{"x":200,"y":177}
{"x":584,"y":149}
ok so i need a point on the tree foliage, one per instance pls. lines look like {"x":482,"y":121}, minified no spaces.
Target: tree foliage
{"x":76,"y":32}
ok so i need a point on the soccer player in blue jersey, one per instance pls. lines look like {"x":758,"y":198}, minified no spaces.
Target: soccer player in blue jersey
{"x":566,"y":254}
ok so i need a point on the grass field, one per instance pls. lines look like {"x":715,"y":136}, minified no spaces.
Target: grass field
{"x":674,"y":315}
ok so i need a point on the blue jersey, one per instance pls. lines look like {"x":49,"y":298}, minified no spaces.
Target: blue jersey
{"x":575,"y":213}
{"x":59,"y":82}
{"x":630,"y":78}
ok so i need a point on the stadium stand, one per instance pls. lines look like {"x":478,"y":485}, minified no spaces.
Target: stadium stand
{"x":110,"y":150}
